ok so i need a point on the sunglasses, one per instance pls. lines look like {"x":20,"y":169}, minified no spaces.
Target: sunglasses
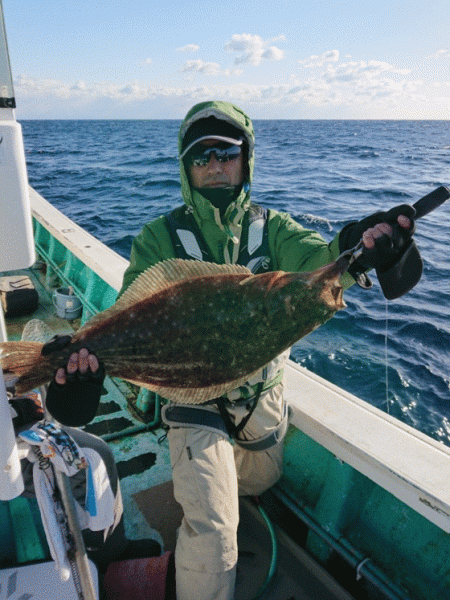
{"x":200,"y":155}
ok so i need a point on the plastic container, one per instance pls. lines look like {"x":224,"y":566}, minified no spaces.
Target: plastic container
{"x":67,"y":305}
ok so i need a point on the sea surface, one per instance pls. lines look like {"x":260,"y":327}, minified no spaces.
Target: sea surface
{"x":111,"y":177}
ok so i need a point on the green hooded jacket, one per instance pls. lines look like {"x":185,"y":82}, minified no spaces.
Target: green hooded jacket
{"x":292,"y":247}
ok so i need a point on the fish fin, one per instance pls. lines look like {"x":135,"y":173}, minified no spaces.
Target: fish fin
{"x":166,"y":273}
{"x":25,"y":360}
{"x":159,"y":277}
{"x":194,"y":395}
{"x":18,"y":357}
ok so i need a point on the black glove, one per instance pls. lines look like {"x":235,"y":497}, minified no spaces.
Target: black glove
{"x":387,"y":250}
{"x":75,"y":403}
{"x":28,"y":411}
{"x":396,"y":259}
{"x":58,"y":342}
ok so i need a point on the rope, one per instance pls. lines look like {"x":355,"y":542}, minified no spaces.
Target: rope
{"x":359,"y":568}
{"x":274,"y":558}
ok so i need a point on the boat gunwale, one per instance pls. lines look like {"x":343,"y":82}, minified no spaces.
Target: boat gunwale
{"x":400,"y":459}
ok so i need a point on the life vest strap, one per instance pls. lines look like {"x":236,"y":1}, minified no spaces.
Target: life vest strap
{"x":176,"y":415}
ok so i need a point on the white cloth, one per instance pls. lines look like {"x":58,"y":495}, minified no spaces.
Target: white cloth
{"x":64,"y":454}
{"x":98,"y":513}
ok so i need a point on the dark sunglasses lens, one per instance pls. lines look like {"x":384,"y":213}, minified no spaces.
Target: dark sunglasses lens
{"x":202,"y":155}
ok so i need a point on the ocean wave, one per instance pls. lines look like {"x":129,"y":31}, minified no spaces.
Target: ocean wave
{"x":157,"y":183}
{"x":310,"y":220}
{"x":435,"y":337}
{"x":122,"y":245}
{"x":113,"y":177}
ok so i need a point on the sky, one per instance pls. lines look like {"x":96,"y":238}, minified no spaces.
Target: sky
{"x":285,"y":59}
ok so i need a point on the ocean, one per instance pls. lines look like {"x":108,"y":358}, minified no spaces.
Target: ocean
{"x":111,"y":177}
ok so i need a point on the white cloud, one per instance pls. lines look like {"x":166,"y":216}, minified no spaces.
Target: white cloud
{"x":199,"y":66}
{"x":207,"y":68}
{"x":357,"y":70}
{"x":79,"y":85}
{"x":132,"y":89}
{"x":320,"y":59}
{"x":148,"y":61}
{"x":253,"y":49}
{"x":315,"y":90}
{"x":361,"y":89}
{"x":273,"y":53}
{"x":443,"y":53}
{"x":189,"y":48}
{"x":356,"y":84}
{"x":278,"y":37}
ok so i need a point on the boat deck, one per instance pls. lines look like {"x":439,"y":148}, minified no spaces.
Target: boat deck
{"x":143,"y":464}
{"x":142,"y":461}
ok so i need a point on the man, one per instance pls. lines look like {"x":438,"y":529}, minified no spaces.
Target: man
{"x":219,"y":224}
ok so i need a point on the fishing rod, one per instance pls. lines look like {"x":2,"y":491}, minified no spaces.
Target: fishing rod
{"x":431,"y":201}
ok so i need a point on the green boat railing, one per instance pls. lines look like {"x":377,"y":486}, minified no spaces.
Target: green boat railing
{"x":364,"y":484}
{"x":75,"y":258}
{"x":93,"y":291}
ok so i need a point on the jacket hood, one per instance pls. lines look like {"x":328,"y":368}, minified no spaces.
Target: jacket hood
{"x":236,"y":117}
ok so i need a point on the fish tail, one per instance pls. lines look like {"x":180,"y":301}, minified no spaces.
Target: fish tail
{"x":329,"y":272}
{"x":25,"y":360}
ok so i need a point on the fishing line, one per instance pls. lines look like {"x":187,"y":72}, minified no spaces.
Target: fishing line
{"x":386,"y":353}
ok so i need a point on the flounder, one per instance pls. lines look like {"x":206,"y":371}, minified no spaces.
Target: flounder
{"x":192,"y":331}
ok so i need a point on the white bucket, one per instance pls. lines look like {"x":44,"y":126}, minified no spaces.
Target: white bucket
{"x":67,"y":305}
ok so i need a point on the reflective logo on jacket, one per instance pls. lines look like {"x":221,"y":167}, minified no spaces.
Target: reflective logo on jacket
{"x":189,"y":243}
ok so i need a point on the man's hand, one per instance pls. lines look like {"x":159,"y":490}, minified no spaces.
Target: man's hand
{"x":81,"y":361}
{"x":385,"y":236}
{"x":74,"y":394}
{"x":370,"y":236}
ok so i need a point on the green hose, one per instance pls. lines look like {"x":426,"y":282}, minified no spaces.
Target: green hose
{"x":274,"y":559}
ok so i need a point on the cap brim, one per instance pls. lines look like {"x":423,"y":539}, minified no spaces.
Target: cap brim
{"x":220,"y":138}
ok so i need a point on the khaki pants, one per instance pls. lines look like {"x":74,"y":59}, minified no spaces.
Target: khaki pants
{"x":209,"y":473}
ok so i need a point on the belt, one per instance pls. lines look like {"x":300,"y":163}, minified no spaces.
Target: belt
{"x":186,"y":416}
